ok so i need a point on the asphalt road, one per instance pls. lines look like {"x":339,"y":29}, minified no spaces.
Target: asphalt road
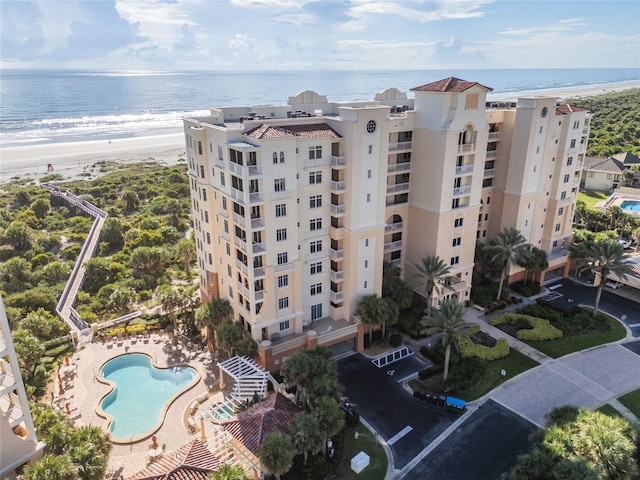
{"x":485,"y":446}
{"x":380,"y":398}
{"x":611,"y":303}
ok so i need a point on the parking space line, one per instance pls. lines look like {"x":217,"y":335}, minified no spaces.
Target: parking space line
{"x":633,"y":325}
{"x":553,"y":287}
{"x":399,"y":435}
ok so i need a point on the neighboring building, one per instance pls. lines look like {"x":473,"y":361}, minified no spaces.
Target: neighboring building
{"x":296,"y":206}
{"x":17,"y":434}
{"x":606,"y":174}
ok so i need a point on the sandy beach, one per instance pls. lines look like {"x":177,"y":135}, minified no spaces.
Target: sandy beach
{"x":73,"y":160}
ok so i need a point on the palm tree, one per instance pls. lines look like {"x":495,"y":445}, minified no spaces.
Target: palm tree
{"x":50,"y":467}
{"x":505,"y":249}
{"x":330,"y":417}
{"x":229,"y":472}
{"x":172,"y":301}
{"x":306,"y":435}
{"x":276,"y":453}
{"x":604,"y":257}
{"x":432,"y":274}
{"x":210,"y":316}
{"x":186,"y":249}
{"x":372,"y":309}
{"x":447,"y":321}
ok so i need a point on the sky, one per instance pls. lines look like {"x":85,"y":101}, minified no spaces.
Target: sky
{"x":255,"y":35}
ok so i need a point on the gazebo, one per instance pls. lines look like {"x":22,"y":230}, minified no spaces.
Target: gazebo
{"x":192,"y":461}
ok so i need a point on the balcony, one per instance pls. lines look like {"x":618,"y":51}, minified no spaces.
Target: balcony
{"x":256,"y":197}
{"x":336,"y":254}
{"x":237,"y":195}
{"x":317,"y":162}
{"x":281,"y":195}
{"x":225,"y":236}
{"x":223,"y":213}
{"x":466,"y":190}
{"x":338,"y":186}
{"x":240,"y":243}
{"x":492,"y":154}
{"x":283,"y":267}
{"x":255,"y":170}
{"x":336,"y":297}
{"x":489,"y":172}
{"x":398,"y":188}
{"x":398,"y":146}
{"x":338,"y":161}
{"x":317,"y":233}
{"x":219,"y":162}
{"x":396,"y":261}
{"x":244,"y":290}
{"x":337,"y":209}
{"x":399,"y":167}
{"x":315,"y":256}
{"x":467,"y":148}
{"x":494,"y":136}
{"x":391,"y":246}
{"x":258,"y":272}
{"x":336,"y":276}
{"x":242,"y":267}
{"x":458,"y":286}
{"x":258,"y":248}
{"x":257,"y":222}
{"x":235,"y":168}
{"x":463,"y":169}
{"x":259,"y":295}
{"x":239,"y":219}
{"x":585,"y":130}
{"x":393,"y":227}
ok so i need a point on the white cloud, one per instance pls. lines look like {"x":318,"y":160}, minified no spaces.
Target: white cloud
{"x":566,"y":25}
{"x":278,"y":4}
{"x":56,"y":21}
{"x":430,"y":11}
{"x":242,"y":43}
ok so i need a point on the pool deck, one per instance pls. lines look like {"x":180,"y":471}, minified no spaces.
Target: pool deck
{"x":85,"y":392}
{"x":617,"y":198}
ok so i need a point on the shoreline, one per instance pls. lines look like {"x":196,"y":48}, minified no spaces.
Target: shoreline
{"x":73,"y":159}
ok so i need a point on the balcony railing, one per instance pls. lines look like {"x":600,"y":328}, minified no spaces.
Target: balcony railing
{"x":237,"y":194}
{"x":235,"y":168}
{"x":466,"y":148}
{"x":336,"y":296}
{"x":462,"y":190}
{"x":396,"y":261}
{"x":337,"y":209}
{"x":393,"y":227}
{"x":399,"y":167}
{"x":492,"y":154}
{"x":461,"y":170}
{"x":255,"y":170}
{"x":239,"y":219}
{"x":257,"y":222}
{"x":318,"y":232}
{"x":240,"y":243}
{"x":336,"y":254}
{"x":219,"y":162}
{"x":338,"y":161}
{"x":394,"y":147}
{"x":258,"y":248}
{"x":398,"y":188}
{"x":493,"y":136}
{"x":224,"y":235}
{"x":348,"y":331}
{"x":242,"y":267}
{"x":283,"y":267}
{"x":585,"y":130}
{"x":338,"y":186}
{"x":281,"y":195}
{"x":397,"y":245}
{"x":489,"y":172}
{"x":258,"y":272}
{"x":256,"y":197}
{"x":336,"y":276}
{"x":317,"y":162}
{"x":259,"y":295}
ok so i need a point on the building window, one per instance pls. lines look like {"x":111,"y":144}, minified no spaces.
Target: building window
{"x":316,"y":246}
{"x":315,"y":224}
{"x":201,"y":171}
{"x":275,"y":157}
{"x":230,"y":292}
{"x":315,"y":177}
{"x":569,"y":161}
{"x":560,"y":210}
{"x":368,"y":197}
{"x":457,"y":241}
{"x":281,"y":210}
{"x":315,"y":152}
{"x":458,"y":222}
{"x":563,"y":195}
{"x":368,"y":173}
{"x":229,"y":271}
{"x":566,"y":178}
{"x":591,"y":174}
{"x":573,"y":143}
{"x":278,"y":185}
{"x":208,"y":238}
{"x":488,"y":200}
{"x":316,"y":311}
{"x":366,"y":242}
{"x":283,"y":281}
{"x":455,"y":260}
{"x":220,"y":157}
{"x":281,"y":157}
{"x":366,"y":264}
{"x":200,"y":148}
{"x":471,"y":101}
{"x":283,"y":258}
{"x":284,"y":325}
{"x":316,"y":289}
{"x":281,"y":234}
{"x":210,"y":259}
{"x":609,"y":176}
{"x":315,"y":268}
{"x":557,"y":227}
{"x":365,"y":284}
{"x":222,"y":179}
{"x":315,"y":201}
{"x":455,"y":203}
{"x":576,"y":124}
{"x":228,"y":250}
{"x":204,"y":194}
{"x":283,"y":303}
{"x":370,"y":149}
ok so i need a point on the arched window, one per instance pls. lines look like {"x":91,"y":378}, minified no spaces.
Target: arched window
{"x":281,"y":157}
{"x":275,"y":157}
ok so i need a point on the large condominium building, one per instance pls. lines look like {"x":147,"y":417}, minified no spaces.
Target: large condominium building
{"x":18,"y":444}
{"x":297,"y":206}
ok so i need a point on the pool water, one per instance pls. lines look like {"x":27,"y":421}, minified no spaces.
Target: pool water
{"x":630,"y":206}
{"x":141,"y":393}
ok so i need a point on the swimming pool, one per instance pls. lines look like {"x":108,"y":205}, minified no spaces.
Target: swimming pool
{"x":141,"y":394}
{"x":631,"y":206}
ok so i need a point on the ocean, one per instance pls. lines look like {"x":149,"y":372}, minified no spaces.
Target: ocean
{"x":47,"y":106}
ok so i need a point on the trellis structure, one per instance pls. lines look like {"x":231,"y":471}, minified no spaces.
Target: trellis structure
{"x":250,"y":377}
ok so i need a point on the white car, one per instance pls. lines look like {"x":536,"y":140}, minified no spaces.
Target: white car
{"x":614,"y":285}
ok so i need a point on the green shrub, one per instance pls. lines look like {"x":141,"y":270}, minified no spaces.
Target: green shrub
{"x":395,"y":340}
{"x":430,"y":372}
{"x":468,"y":348}
{"x":467,"y":373}
{"x":528,"y":290}
{"x":533,"y":329}
{"x":59,"y":350}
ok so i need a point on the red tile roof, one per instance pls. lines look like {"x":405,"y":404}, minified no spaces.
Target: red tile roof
{"x":451,"y":84}
{"x":251,"y":426}
{"x":565,"y":108}
{"x":192,"y":461}
{"x":315,"y":130}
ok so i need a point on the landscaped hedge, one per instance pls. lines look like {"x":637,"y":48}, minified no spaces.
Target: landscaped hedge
{"x":535,"y":329}
{"x":470,"y":349}
{"x":131,"y":329}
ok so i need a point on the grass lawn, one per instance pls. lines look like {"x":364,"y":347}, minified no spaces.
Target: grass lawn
{"x":609,"y":410}
{"x":513,"y":364}
{"x":591,"y":197}
{"x":632,"y":402}
{"x":574,"y":343}
{"x":367,"y":443}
